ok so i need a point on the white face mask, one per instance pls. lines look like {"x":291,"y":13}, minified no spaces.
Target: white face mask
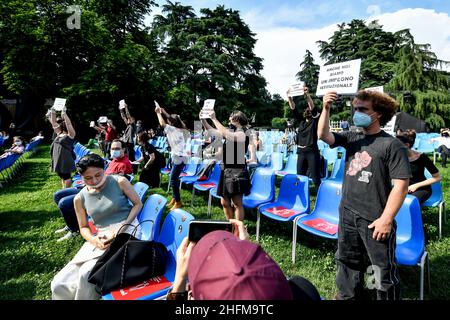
{"x":98,"y":185}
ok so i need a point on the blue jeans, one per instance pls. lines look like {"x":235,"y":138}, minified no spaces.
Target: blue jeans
{"x":64,"y":199}
{"x":175,"y":180}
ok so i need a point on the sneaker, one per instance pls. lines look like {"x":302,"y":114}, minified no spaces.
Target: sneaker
{"x":65,"y":229}
{"x":68,"y":235}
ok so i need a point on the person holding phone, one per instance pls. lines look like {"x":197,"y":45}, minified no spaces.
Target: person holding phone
{"x":94,"y":200}
{"x":63,"y":156}
{"x":374,"y":188}
{"x":177,"y":137}
{"x":225,"y":265}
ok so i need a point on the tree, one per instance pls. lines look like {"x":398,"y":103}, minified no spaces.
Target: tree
{"x":309,"y":72}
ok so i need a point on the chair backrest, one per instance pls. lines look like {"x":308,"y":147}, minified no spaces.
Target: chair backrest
{"x":409,"y":222}
{"x":436,"y":190}
{"x":328,"y":199}
{"x":141,"y":189}
{"x":191,"y":168}
{"x":263,"y":184}
{"x":331,"y":155}
{"x":137,"y":152}
{"x":262,"y":157}
{"x":215,"y":174}
{"x":276,"y":161}
{"x":294,"y":192}
{"x":173,"y":231}
{"x":152,"y":210}
{"x":291,"y":164}
{"x":338,"y":169}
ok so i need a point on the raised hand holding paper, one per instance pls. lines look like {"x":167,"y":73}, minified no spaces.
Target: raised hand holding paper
{"x":122,"y":104}
{"x":297,"y":89}
{"x":376,"y":89}
{"x":92,"y":124}
{"x":208,"y":108}
{"x":343,"y":78}
{"x":59,"y":104}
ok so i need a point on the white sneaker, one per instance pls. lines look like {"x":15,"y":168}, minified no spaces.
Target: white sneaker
{"x":68,"y":235}
{"x":65,"y":229}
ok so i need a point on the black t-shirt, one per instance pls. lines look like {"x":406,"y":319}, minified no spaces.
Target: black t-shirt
{"x":372,"y":161}
{"x":418,"y":167}
{"x":307,"y":130}
{"x":149,"y":149}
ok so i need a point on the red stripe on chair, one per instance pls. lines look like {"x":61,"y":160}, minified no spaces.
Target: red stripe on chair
{"x":282,"y":211}
{"x":207,"y":185}
{"x":322,"y":225}
{"x":142,"y":289}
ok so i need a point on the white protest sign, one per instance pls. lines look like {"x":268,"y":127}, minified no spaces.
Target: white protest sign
{"x":341,"y":77}
{"x":208,"y":107}
{"x":297,"y":89}
{"x":59,"y":104}
{"x":376,"y":89}
{"x":122,"y":104}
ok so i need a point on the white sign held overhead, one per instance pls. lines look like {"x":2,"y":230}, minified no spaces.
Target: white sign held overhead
{"x":297,"y":89}
{"x":59,"y":104}
{"x":376,"y":89}
{"x":341,"y":77}
{"x":208,"y":107}
{"x":122,"y":104}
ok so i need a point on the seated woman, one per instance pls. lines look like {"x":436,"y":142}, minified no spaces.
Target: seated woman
{"x":419,"y":186}
{"x":153,"y":161}
{"x":105,"y":200}
{"x":16,"y":148}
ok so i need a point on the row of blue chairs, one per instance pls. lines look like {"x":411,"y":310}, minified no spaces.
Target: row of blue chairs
{"x":11,"y":164}
{"x":80,"y":151}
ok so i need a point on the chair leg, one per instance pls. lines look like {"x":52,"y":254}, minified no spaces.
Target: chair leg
{"x":209,"y":205}
{"x":193,"y":194}
{"x":422,"y":272}
{"x":442,"y":209}
{"x":294,"y":238}
{"x":440,"y":222}
{"x":258,"y":221}
{"x":429,"y":274}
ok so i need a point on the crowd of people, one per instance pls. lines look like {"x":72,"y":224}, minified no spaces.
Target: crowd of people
{"x":380,"y":171}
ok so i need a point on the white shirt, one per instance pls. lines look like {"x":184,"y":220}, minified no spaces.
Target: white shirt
{"x":177,"y":140}
{"x":442,"y":141}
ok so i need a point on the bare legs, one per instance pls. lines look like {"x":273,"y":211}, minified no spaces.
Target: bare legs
{"x":233,"y":208}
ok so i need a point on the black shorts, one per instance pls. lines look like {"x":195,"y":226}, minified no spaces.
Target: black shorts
{"x":233,"y":182}
{"x":64,"y":176}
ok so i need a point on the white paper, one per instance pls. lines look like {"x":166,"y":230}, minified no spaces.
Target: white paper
{"x":103,"y":119}
{"x":59,"y":104}
{"x":92,"y":124}
{"x":341,"y":77}
{"x":122,"y":104}
{"x":376,"y":89}
{"x":156,"y":104}
{"x":297,"y":89}
{"x":208,"y":107}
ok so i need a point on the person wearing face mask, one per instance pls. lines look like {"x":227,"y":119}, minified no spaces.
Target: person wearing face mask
{"x":374,"y":188}
{"x":120,"y":165}
{"x":234,"y":181}
{"x":152,"y":159}
{"x":94,"y":200}
{"x":307,"y":149}
{"x":16,"y":148}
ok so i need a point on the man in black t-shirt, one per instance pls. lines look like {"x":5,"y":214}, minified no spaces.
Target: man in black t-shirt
{"x":307,"y":149}
{"x":374,"y":188}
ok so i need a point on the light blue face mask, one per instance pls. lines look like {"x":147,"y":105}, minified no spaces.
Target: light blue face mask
{"x":115,"y":153}
{"x":361,"y":119}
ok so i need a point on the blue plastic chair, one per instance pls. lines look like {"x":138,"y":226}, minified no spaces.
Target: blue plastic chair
{"x":212,"y":194}
{"x":262,"y":190}
{"x":326,"y":208}
{"x":152,"y":210}
{"x":174,"y":230}
{"x":206,"y":185}
{"x":293,"y":196}
{"x":137,"y":152}
{"x":276,"y":161}
{"x":291,"y":166}
{"x":410,"y":249}
{"x":141,"y":189}
{"x":436,"y":200}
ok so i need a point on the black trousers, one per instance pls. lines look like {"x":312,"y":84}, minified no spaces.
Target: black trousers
{"x":443,"y":150}
{"x":354,"y":242}
{"x":130,"y":151}
{"x":309,"y":159}
{"x":422,"y":195}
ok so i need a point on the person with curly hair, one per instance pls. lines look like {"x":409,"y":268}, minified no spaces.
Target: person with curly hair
{"x":374,"y":188}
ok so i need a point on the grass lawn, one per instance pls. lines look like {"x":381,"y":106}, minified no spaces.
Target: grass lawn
{"x":30,"y":255}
